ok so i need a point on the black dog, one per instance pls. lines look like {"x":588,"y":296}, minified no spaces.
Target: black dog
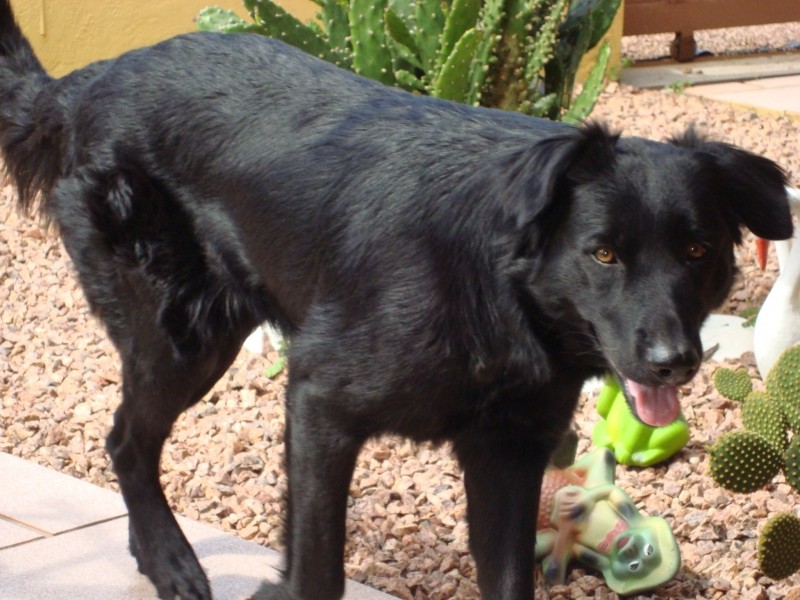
{"x":443,"y":272}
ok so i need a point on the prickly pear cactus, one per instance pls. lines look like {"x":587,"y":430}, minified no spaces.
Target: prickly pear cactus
{"x":519,"y":55}
{"x":783,"y":383}
{"x":778,"y":548}
{"x":791,"y":466}
{"x":763,"y":415}
{"x":734,"y":385}
{"x":744,"y":461}
{"x":768,"y":418}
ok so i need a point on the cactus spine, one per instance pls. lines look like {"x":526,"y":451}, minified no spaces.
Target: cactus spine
{"x":517,"y":55}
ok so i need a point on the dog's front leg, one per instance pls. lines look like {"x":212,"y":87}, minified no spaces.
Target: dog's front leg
{"x":503,"y":478}
{"x":320,"y":458}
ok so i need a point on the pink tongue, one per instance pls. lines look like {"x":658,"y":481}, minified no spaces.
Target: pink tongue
{"x":656,"y":406}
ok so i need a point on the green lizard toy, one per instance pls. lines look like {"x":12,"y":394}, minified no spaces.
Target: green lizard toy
{"x":583,"y":515}
{"x":632,"y":442}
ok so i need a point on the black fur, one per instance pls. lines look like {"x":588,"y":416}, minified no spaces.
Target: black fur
{"x":432,"y":263}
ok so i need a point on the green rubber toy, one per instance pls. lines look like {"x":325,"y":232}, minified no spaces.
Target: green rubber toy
{"x":633,"y":442}
{"x":584,"y":515}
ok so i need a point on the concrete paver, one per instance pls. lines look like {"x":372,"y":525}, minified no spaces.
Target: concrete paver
{"x":64,"y":538}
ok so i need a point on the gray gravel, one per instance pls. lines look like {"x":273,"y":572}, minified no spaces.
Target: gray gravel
{"x":59,"y":384}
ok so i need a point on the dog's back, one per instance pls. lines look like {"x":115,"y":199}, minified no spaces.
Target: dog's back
{"x":254,"y":127}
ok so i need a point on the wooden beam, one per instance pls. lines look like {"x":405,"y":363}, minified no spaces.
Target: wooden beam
{"x":660,"y":16}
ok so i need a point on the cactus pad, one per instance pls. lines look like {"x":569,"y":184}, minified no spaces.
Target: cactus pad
{"x":371,"y":55}
{"x":453,"y":80}
{"x":278,"y":23}
{"x":783,"y":383}
{"x":763,"y":415}
{"x":778,"y":550}
{"x":734,"y":385}
{"x":791,"y":467}
{"x":744,"y":461}
{"x":213,"y":18}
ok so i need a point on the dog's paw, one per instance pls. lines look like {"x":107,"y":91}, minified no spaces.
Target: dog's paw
{"x":272,"y":591}
{"x":185,"y":580}
{"x":133,"y":548}
{"x":184,"y":590}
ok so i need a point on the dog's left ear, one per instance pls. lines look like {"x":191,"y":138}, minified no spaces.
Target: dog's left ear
{"x":754,"y":186}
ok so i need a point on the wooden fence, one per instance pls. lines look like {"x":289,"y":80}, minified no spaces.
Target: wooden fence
{"x":683,"y":17}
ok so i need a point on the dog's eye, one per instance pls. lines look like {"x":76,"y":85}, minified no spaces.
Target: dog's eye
{"x":605,"y":255}
{"x":695,"y":251}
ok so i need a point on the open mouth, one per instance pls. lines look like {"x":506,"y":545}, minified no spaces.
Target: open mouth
{"x":654,"y":405}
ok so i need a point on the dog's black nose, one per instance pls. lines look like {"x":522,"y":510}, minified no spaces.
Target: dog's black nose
{"x":673,"y":366}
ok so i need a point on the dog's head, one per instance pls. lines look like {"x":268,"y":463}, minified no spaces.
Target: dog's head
{"x":636,"y":243}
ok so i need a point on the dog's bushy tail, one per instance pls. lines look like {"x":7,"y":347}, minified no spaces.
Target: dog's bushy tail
{"x":28,"y":129}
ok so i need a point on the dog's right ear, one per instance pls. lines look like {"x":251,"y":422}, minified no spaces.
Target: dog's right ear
{"x":536,"y":176}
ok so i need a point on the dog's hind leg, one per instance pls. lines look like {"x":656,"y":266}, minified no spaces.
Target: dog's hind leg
{"x":175,"y":324}
{"x":156,"y":389}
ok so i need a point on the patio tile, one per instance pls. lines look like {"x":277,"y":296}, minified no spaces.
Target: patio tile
{"x":792,"y":81}
{"x":82,"y":550}
{"x":93,"y":563}
{"x":780,"y":99}
{"x":12,"y":534}
{"x":710,"y":90}
{"x":712,"y":70}
{"x":52,"y":502}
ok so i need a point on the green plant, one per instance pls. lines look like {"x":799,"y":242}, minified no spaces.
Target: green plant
{"x":744,"y":461}
{"x":734,"y":385}
{"x":520,"y":55}
{"x":769,"y":417}
{"x":677,"y":87}
{"x":277,"y":367}
{"x":778,"y":549}
{"x":749,"y":314}
{"x":783,"y":383}
{"x":791,"y":463}
{"x":762,"y":415}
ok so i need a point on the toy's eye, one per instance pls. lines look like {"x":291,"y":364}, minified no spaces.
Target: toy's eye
{"x":634,"y":566}
{"x":605,"y":255}
{"x":696,"y":251}
{"x":648,"y":549}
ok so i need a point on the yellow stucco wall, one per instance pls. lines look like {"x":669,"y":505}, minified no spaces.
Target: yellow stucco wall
{"x":614,"y":37}
{"x":67,"y":34}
